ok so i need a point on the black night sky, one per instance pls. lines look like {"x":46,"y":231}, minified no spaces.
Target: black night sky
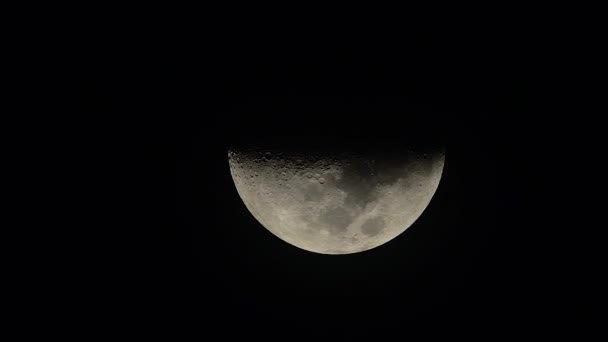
{"x":184,"y":251}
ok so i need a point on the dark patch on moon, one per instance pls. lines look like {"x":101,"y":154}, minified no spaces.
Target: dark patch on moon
{"x":389,"y":172}
{"x":357,"y":183}
{"x":426,"y":166}
{"x":337,"y":218}
{"x":312,"y":193}
{"x":360,"y":178}
{"x":373,"y":226}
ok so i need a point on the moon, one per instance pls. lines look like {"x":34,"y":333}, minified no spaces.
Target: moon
{"x":336,"y":202}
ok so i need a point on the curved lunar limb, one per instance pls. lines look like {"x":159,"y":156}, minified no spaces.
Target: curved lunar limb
{"x":336,"y":202}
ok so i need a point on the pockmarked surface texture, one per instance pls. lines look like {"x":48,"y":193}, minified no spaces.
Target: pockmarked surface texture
{"x":339,"y":202}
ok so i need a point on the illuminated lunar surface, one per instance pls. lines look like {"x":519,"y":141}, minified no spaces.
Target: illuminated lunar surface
{"x":336,"y":203}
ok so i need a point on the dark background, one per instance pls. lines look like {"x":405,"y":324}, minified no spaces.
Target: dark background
{"x":493,"y":250}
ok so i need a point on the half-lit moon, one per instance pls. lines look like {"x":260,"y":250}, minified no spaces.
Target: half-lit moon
{"x":336,"y":203}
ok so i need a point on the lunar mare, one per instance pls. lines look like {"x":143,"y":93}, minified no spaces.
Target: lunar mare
{"x":335,"y":203}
